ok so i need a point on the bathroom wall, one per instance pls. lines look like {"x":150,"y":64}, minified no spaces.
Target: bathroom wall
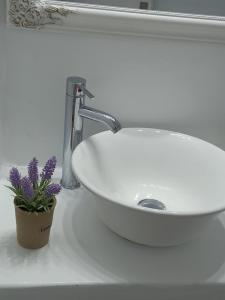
{"x":163,"y":83}
{"x":2,"y":74}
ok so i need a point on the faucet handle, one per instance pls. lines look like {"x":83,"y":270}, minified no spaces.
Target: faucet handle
{"x":86,"y":92}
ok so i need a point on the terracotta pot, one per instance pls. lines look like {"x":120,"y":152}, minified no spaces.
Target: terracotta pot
{"x":33,"y":229}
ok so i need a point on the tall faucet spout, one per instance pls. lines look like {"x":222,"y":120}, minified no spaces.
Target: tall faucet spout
{"x":75,"y":112}
{"x":99,"y":116}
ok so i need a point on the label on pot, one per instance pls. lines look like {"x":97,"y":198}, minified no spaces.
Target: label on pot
{"x":43,"y":229}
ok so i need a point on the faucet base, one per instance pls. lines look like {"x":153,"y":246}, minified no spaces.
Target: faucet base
{"x":72,"y":186}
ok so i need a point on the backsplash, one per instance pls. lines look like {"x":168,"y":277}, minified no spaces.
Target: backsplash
{"x":148,"y":82}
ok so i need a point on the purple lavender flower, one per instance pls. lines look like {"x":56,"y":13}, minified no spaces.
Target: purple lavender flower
{"x":15,"y":177}
{"x":49,"y":169}
{"x":27,"y":188}
{"x":52,"y":189}
{"x":33,"y":170}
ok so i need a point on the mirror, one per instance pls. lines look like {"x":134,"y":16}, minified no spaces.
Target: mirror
{"x":195,"y":7}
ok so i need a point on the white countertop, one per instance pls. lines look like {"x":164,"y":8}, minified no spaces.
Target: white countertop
{"x":83,"y":252}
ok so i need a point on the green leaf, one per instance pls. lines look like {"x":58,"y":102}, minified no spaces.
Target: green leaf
{"x":12,"y":189}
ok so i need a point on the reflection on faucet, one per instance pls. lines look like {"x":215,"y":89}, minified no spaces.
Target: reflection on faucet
{"x":100,"y":116}
{"x":75,"y":111}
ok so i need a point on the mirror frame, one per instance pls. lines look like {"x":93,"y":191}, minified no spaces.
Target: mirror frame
{"x":41,"y":14}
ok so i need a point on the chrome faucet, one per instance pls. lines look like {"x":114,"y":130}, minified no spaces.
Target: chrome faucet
{"x":75,"y":111}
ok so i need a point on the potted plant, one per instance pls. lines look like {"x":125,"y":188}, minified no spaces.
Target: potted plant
{"x":34,"y":200}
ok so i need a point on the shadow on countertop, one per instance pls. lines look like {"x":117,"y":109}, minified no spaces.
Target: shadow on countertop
{"x":192,"y":263}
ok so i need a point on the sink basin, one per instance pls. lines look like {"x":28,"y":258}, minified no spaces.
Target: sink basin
{"x":153,"y":187}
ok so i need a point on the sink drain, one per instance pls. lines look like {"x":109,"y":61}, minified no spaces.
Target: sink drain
{"x":152,"y":203}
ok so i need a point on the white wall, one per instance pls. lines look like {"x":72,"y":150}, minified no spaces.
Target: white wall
{"x":177,"y":85}
{"x":2,"y":73}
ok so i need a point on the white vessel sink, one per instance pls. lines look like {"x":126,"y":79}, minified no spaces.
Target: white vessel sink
{"x":180,"y":178}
